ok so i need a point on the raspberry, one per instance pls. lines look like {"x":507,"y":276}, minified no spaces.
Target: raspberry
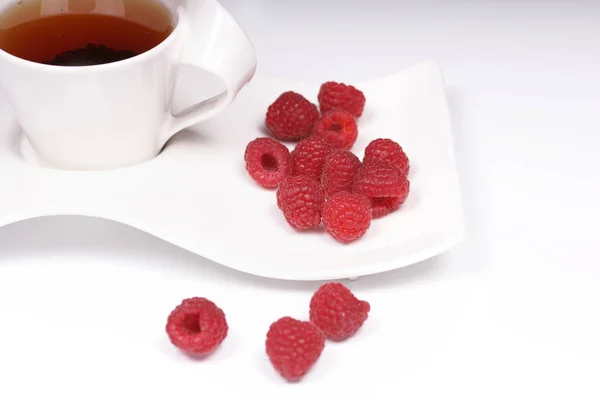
{"x":338,"y":172}
{"x":380,"y":180}
{"x":301,"y":200}
{"x":294,"y":347}
{"x":387,"y":150}
{"x":267,"y":161}
{"x":347,"y":216}
{"x":333,"y":95}
{"x":383,"y":206}
{"x":308,"y":158}
{"x":291,"y":116}
{"x":338,"y":313}
{"x":338,"y":127}
{"x":197,"y":326}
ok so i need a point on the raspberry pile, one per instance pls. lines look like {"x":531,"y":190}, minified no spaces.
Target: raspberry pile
{"x":198,"y":327}
{"x":320,"y":181}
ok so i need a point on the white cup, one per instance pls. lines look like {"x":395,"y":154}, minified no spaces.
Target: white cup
{"x":120,"y":114}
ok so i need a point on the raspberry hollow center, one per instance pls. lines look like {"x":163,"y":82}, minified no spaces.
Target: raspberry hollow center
{"x":269,"y":162}
{"x":192,"y":324}
{"x":335,"y":127}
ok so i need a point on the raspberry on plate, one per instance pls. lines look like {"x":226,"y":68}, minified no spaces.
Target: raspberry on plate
{"x":268,"y":162}
{"x":387,"y":150}
{"x":380,"y":180}
{"x":347,"y":216}
{"x":197,"y":326}
{"x":308,"y":158}
{"x":338,"y":172}
{"x":294,"y":347}
{"x":338,"y":127}
{"x":291,"y":116}
{"x":336,"y":310}
{"x":383,"y":206}
{"x":301,"y":199}
{"x":334,"y":95}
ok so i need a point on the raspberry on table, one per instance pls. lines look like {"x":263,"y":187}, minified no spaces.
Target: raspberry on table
{"x":301,"y":200}
{"x":380,"y":179}
{"x":383,"y":206}
{"x":291,"y":116}
{"x":335,"y":309}
{"x":294,"y":347}
{"x":338,"y":127}
{"x":347,"y":216}
{"x":308,"y":158}
{"x":388,"y":151}
{"x":334,"y":95}
{"x":197,"y":326}
{"x":268,"y":162}
{"x":338,"y":172}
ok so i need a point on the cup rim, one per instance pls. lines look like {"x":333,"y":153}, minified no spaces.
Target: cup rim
{"x":100,"y":67}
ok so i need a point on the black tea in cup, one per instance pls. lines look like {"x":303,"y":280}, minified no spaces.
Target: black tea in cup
{"x":82,"y":32}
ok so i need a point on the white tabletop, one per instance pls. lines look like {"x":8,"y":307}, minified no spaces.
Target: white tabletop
{"x":510,"y":313}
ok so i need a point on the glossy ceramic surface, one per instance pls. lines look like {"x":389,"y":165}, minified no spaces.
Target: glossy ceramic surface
{"x":120,"y":114}
{"x":197,"y":195}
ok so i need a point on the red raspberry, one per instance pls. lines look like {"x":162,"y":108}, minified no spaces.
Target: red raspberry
{"x":301,"y":200}
{"x":338,"y":172}
{"x":338,"y":127}
{"x":294,"y":347}
{"x":383,"y":206}
{"x":197,"y":326}
{"x":387,"y":150}
{"x":308,"y":158}
{"x":347,"y":216}
{"x":291,"y":116}
{"x":333,"y":95}
{"x":380,"y":180}
{"x":338,"y":313}
{"x":267,"y":161}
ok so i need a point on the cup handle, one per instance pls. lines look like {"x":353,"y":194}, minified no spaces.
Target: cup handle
{"x":216,"y":43}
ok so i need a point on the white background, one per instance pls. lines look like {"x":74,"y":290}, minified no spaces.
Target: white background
{"x":512,"y":312}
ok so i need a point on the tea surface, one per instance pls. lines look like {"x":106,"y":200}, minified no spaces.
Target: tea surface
{"x":83,"y":32}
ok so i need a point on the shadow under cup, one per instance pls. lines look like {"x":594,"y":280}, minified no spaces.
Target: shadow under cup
{"x":92,"y":83}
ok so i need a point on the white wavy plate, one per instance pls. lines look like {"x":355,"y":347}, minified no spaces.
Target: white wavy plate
{"x":196,"y":193}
